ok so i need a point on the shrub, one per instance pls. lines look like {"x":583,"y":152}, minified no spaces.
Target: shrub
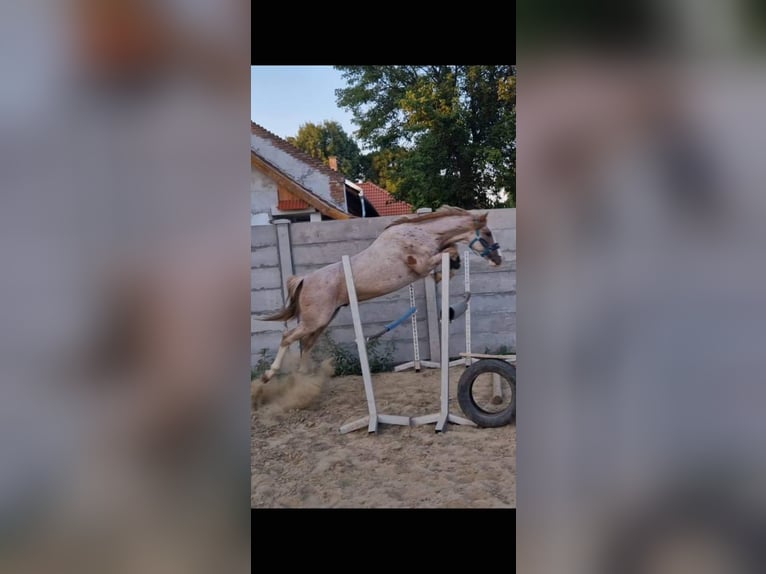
{"x":262,"y":365}
{"x":346,"y":357}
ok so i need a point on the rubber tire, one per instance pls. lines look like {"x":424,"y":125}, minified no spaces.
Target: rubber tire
{"x":465,"y":397}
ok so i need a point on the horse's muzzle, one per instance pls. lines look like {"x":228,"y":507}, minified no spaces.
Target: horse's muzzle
{"x":495,"y":258}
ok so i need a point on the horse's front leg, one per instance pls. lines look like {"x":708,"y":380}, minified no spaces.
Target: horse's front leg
{"x":432,"y":262}
{"x":454,"y":263}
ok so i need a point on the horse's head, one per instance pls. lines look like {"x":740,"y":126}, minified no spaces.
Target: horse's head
{"x":483,"y":243}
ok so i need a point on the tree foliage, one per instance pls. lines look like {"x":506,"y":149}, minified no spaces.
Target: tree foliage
{"x":384,"y":166}
{"x":327,"y":139}
{"x":440,"y":134}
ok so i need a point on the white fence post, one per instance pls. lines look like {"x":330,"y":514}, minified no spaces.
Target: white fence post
{"x":373,"y":418}
{"x":285,"y":260}
{"x":467,"y":269}
{"x":444,"y":416}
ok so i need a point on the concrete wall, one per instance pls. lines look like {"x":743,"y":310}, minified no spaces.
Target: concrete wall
{"x":313,"y":245}
{"x":265,"y":289}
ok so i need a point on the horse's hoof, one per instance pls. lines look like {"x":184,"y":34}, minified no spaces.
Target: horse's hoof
{"x":266,"y":377}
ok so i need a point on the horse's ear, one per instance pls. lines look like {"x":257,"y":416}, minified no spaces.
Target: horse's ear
{"x":480,"y":220}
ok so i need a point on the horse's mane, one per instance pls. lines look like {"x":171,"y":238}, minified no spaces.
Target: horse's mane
{"x":443,"y":211}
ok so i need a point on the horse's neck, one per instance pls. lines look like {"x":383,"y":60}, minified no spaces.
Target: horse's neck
{"x":451,"y":229}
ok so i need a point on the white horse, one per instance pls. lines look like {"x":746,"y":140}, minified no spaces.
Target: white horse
{"x":407,"y":250}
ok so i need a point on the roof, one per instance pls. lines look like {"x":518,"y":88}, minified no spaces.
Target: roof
{"x":303,"y":195}
{"x":298,"y":190}
{"x":384,"y":202}
{"x":297,"y":153}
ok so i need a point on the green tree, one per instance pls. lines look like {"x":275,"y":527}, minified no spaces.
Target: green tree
{"x":440,"y":134}
{"x":384,"y":166}
{"x":327,"y":139}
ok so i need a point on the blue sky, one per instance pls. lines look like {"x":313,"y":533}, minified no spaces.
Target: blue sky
{"x":284,"y":97}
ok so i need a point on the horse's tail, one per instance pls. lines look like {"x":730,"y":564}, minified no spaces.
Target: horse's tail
{"x":294,"y":286}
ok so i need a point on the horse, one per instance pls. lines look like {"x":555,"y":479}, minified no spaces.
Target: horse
{"x":408,"y":249}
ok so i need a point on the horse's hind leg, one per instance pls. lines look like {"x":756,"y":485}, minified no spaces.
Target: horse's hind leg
{"x":308,"y":331}
{"x":266,"y":377}
{"x":288,"y":338}
{"x":306,"y":345}
{"x":308,"y":342}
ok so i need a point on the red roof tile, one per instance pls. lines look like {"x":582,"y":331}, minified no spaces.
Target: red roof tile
{"x":384,"y":202}
{"x":288,"y":204}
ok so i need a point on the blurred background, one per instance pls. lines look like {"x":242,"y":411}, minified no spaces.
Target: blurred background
{"x":642,"y":287}
{"x":124,"y":290}
{"x":124,"y":307}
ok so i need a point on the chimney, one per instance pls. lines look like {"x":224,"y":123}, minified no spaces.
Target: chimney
{"x":333,"y":162}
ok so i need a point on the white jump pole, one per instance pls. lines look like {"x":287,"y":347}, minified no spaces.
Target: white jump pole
{"x":468,"y":360}
{"x":444,"y":416}
{"x":467,"y":267}
{"x":415,"y":343}
{"x":466,"y":270}
{"x":373,"y":418}
{"x":416,"y":363}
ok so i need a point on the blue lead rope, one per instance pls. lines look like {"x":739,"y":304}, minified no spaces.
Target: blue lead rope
{"x":393,"y":324}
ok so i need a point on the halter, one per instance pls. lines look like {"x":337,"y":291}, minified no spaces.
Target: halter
{"x":488,"y":249}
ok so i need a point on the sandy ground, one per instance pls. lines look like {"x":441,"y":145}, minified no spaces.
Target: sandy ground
{"x":299,"y":459}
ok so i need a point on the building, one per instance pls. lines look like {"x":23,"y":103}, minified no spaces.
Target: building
{"x":384,"y":202}
{"x":287,"y":183}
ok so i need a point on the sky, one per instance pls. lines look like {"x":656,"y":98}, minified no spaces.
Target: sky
{"x":284,"y":97}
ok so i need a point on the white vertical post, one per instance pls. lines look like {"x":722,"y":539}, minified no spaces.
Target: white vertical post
{"x":444,"y":410}
{"x":443,"y":416}
{"x":467,"y":268}
{"x":416,"y":363}
{"x":361,"y":345}
{"x":415,"y":342}
{"x":285,"y":253}
{"x":372,"y":419}
{"x":285,"y":260}
{"x":433,"y":318}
